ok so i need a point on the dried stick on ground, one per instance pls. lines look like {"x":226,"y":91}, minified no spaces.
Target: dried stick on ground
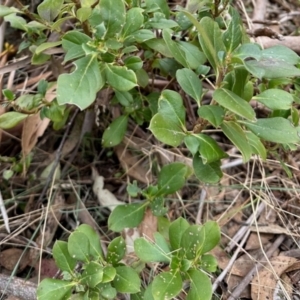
{"x":17,"y":287}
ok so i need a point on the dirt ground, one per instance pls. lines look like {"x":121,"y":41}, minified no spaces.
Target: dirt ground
{"x":256,"y":204}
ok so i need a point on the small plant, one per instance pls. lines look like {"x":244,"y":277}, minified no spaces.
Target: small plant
{"x":88,"y":274}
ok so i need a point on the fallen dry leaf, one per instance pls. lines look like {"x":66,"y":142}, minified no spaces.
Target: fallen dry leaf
{"x":264,"y":283}
{"x":12,"y":257}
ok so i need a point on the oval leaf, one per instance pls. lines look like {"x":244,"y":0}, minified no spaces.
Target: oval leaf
{"x":277,"y":130}
{"x":79,"y":246}
{"x":114,"y":133}
{"x":62,"y":257}
{"x":234,"y":103}
{"x":126,"y":216}
{"x":116,"y":250}
{"x":120,"y":78}
{"x":127,"y":280}
{"x":11,"y":119}
{"x":176,"y":230}
{"x":201,"y":287}
{"x":214,"y":114}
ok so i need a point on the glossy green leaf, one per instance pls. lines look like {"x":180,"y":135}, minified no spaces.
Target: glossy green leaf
{"x":275,"y":99}
{"x":212,"y":113}
{"x":176,"y":231}
{"x":166,"y":285}
{"x":174,"y":48}
{"x":237,"y":136}
{"x":63,"y":259}
{"x":143,"y":35}
{"x":171,"y":106}
{"x":234,"y":103}
{"x":112,"y":13}
{"x":232,"y":37}
{"x":160,"y":46}
{"x":8,"y":94}
{"x":248,"y":51}
{"x":166,"y":130}
{"x":94,"y":239}
{"x":192,"y":240}
{"x":190,"y":83}
{"x":200,"y":286}
{"x":116,"y":250}
{"x":50,"y":9}
{"x":208,"y":173}
{"x":133,"y":63}
{"x":192,"y":143}
{"x":256,"y":145}
{"x":209,"y":149}
{"x":54,"y":289}
{"x":150,"y":252}
{"x":134,"y":21}
{"x":210,"y":38}
{"x":194,"y":57}
{"x":115,"y":132}
{"x":126,"y":216}
{"x":83,"y":13}
{"x":277,"y":130}
{"x":209,"y":263}
{"x":80,"y":87}
{"x":120,"y":78}
{"x":11,"y":119}
{"x":79,"y":246}
{"x":210,"y":235}
{"x":127,"y":280}
{"x":172,"y":178}
{"x":92,"y":274}
{"x":5,"y":10}
{"x":72,"y":42}
{"x":162,"y":4}
{"x":283,"y":53}
{"x":109,"y":273}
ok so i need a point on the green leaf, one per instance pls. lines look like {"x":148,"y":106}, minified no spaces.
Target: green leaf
{"x":16,"y":21}
{"x":210,"y":235}
{"x":209,"y":263}
{"x":50,"y":9}
{"x":11,"y":119}
{"x":126,"y":216}
{"x":171,"y":106}
{"x":275,"y":99}
{"x":109,"y":273}
{"x":209,"y":149}
{"x":79,"y":246}
{"x":208,"y":173}
{"x":192,"y":143}
{"x":5,"y":10}
{"x":200,"y":286}
{"x":92,"y":274}
{"x":46,"y":46}
{"x":171,"y":178}
{"x":107,"y":291}
{"x":176,"y":231}
{"x":210,"y":38}
{"x":190,"y":83}
{"x":162,"y":4}
{"x":192,"y":240}
{"x":127,"y":280}
{"x":94,"y":239}
{"x":133,"y":63}
{"x":112,"y":13}
{"x":134,"y":21}
{"x":83,"y":13}
{"x":150,"y":252}
{"x":237,"y":136}
{"x":72,"y":42}
{"x":232,"y":37}
{"x":160,"y":46}
{"x":194,"y":57}
{"x":247,"y":51}
{"x":80,"y":87}
{"x":212,"y":113}
{"x":256,"y":145}
{"x":161,"y":242}
{"x":8,"y":94}
{"x":281,"y":53}
{"x":234,"y":103}
{"x":115,"y":132}
{"x":166,"y":285}
{"x":54,"y":289}
{"x":116,"y":250}
{"x":62,"y":258}
{"x":120,"y":78}
{"x":277,"y":130}
{"x":166,"y":131}
{"x":143,"y":35}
